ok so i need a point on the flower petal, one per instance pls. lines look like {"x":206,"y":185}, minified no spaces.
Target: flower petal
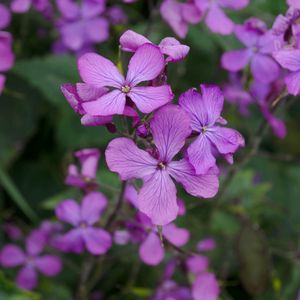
{"x":130,"y":41}
{"x":264,"y":68}
{"x":205,"y":186}
{"x":149,"y":98}
{"x":5,"y":16}
{"x":151,"y":251}
{"x":11,"y":256}
{"x":288,"y":59}
{"x":170,"y":126}
{"x":175,"y":235}
{"x":173,"y":49}
{"x":73,"y":35}
{"x":97,"y":30}
{"x":88,"y":158}
{"x":200,"y":155}
{"x":6,"y":54}
{"x":88,"y":120}
{"x":97,"y":241}
{"x":236,"y":60}
{"x":157,"y":198}
{"x":131,"y":195}
{"x":68,"y":211}
{"x":108,"y":104}
{"x":36,"y":242}
{"x":92,"y":206}
{"x":205,"y":287}
{"x":207,"y":244}
{"x":292,"y":81}
{"x":27,"y":278}
{"x":125,"y":158}
{"x":49,"y":265}
{"x":98,"y":70}
{"x":294,"y":3}
{"x":72,"y":241}
{"x":197,"y":264}
{"x":146,"y":64}
{"x":234,"y":4}
{"x":20,"y":6}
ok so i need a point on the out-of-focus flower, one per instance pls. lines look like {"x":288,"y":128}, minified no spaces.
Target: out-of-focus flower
{"x":205,"y":113}
{"x":84,"y":235}
{"x":31,"y":260}
{"x":260,"y":44}
{"x":146,"y":64}
{"x":205,"y":287}
{"x":7,"y":57}
{"x":131,"y":41}
{"x":294,"y":3}
{"x":216,"y":19}
{"x":207,"y":244}
{"x":5,"y":16}
{"x":23,"y":6}
{"x":170,"y":127}
{"x":13,"y":232}
{"x":116,"y":15}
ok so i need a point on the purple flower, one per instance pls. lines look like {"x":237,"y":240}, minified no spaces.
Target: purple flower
{"x":131,"y":41}
{"x":5,"y":16}
{"x":170,"y":127}
{"x":82,"y":25}
{"x":207,"y":244}
{"x":13,"y":232}
{"x":216,"y":19}
{"x":205,"y":287}
{"x":205,"y":112}
{"x":289,"y":59}
{"x":169,"y":290}
{"x":116,"y":15}
{"x":6,"y":54}
{"x":197,"y":264}
{"x":84,"y":235}
{"x":84,"y":178}
{"x":23,"y":6}
{"x":294,"y":3}
{"x":259,"y":45}
{"x":179,"y":15}
{"x":146,"y":64}
{"x":31,"y":260}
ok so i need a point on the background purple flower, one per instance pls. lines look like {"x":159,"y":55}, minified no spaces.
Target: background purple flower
{"x":5,"y":16}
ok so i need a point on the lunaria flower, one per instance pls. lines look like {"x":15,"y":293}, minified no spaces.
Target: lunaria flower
{"x":85,"y":177}
{"x":146,"y":64}
{"x":205,"y":112}
{"x":31,"y":260}
{"x":83,"y":217}
{"x":260,"y":44}
{"x":215,"y":18}
{"x":130,"y":41}
{"x":170,"y":126}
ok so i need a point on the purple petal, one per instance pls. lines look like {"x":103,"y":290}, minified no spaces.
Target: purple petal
{"x":294,"y":3}
{"x":73,"y":35}
{"x":97,"y":241}
{"x":130,"y":41}
{"x":151,"y":251}
{"x":125,"y":158}
{"x":234,"y":4}
{"x":97,"y":70}
{"x":205,"y":186}
{"x":92,"y":8}
{"x":88,"y":120}
{"x":236,"y":60}
{"x":292,"y":81}
{"x":68,"y":8}
{"x":71,"y":241}
{"x":197,"y":264}
{"x":20,"y":6}
{"x":173,"y":49}
{"x":200,"y":155}
{"x":121,"y":237}
{"x":89,"y":161}
{"x":5,"y":16}
{"x":93,"y":204}
{"x":68,"y":211}
{"x":6,"y":54}
{"x":218,"y":22}
{"x":264,"y":68}
{"x":206,"y":245}
{"x":205,"y":287}
{"x":107,"y":105}
{"x":247,"y":36}
{"x":36,"y":242}
{"x":149,"y":98}
{"x":202,"y":5}
{"x":11,"y":256}
{"x":226,"y":140}
{"x":97,"y":30}
{"x":27,"y":278}
{"x":181,"y":205}
{"x":88,"y":92}
{"x":170,"y":127}
{"x":157,"y":198}
{"x":49,"y":265}
{"x":190,"y":13}
{"x":175,"y":235}
{"x":131,"y":195}
{"x":288,"y":59}
{"x":146,"y":64}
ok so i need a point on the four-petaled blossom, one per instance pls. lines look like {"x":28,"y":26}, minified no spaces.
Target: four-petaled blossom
{"x":31,"y":260}
{"x":84,"y":235}
{"x":215,"y":19}
{"x":170,"y":127}
{"x":146,"y":64}
{"x":130,"y":41}
{"x":260,"y":44}
{"x":205,"y":112}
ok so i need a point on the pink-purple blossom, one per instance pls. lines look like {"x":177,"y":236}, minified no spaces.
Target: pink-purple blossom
{"x":5,"y":16}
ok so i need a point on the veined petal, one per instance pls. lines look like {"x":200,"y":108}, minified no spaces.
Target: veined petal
{"x":92,"y":206}
{"x":146,"y":64}
{"x":27,"y":278}
{"x":68,"y":211}
{"x":236,"y":60}
{"x":49,"y":265}
{"x":200,"y":155}
{"x":205,"y":186}
{"x":97,"y":241}
{"x":292,"y":81}
{"x":125,"y":158}
{"x":173,"y":49}
{"x":108,"y":104}
{"x":130,"y":41}
{"x":98,"y":70}
{"x":149,"y":98}
{"x":288,"y":59}
{"x":175,"y":235}
{"x":88,"y":120}
{"x":170,"y":126}
{"x":157,"y":198}
{"x":151,"y":251}
{"x":11,"y":256}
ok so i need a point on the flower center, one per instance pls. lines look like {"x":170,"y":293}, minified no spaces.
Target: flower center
{"x":204,"y":129}
{"x":161,"y":166}
{"x":125,"y":89}
{"x":83,"y":225}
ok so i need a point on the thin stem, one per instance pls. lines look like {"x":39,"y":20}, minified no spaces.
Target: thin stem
{"x":85,"y":272}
